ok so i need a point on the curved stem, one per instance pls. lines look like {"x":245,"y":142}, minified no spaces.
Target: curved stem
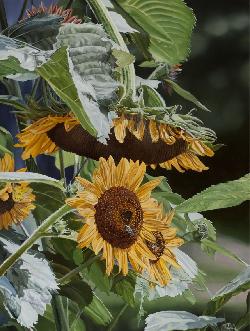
{"x":33,"y":238}
{"x":128,"y":72}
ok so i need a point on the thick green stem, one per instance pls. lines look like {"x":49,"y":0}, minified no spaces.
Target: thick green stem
{"x":102,"y":14}
{"x":62,"y":168}
{"x":33,"y":238}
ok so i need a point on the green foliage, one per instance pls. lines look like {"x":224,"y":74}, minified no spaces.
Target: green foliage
{"x":168,"y":24}
{"x":218,"y":196}
{"x":185,"y":94}
{"x":239,"y":284}
{"x":62,"y":83}
{"x":6,"y":142}
{"x":79,"y":292}
{"x":98,"y":312}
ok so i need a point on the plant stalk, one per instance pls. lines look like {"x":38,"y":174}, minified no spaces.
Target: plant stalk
{"x":3,"y":18}
{"x":37,"y":234}
{"x":128,"y":72}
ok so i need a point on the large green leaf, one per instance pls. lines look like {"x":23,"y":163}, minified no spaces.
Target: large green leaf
{"x":56,"y":73}
{"x":169,"y":25}
{"x":239,"y":284}
{"x":15,"y":177}
{"x":179,"y":320}
{"x":218,"y":196}
{"x":90,"y":65}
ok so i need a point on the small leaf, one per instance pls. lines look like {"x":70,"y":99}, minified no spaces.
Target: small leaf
{"x":239,"y":284}
{"x":218,"y":196}
{"x":98,"y":312}
{"x":123,"y":58}
{"x":185,"y":94}
{"x":30,"y":177}
{"x":13,"y":101}
{"x":169,"y":25}
{"x":68,"y":159}
{"x":178,"y":320}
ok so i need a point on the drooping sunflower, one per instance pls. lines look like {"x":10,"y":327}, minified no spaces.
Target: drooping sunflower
{"x":161,"y":143}
{"x":15,"y":198}
{"x":35,"y":138}
{"x":158,"y":269}
{"x":119,"y":214}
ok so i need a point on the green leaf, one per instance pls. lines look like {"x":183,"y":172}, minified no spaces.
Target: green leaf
{"x":178,"y":320}
{"x":13,"y":101}
{"x":169,"y":25}
{"x":185,"y":94}
{"x":122,"y":58}
{"x":239,"y":284}
{"x":62,"y":83}
{"x":48,"y":200}
{"x":68,"y":159}
{"x":39,"y":30}
{"x":126,"y":288}
{"x":219,"y":249}
{"x":91,"y":67}
{"x":98,"y":276}
{"x":31,"y":177}
{"x":218,"y":196}
{"x":151,"y":97}
{"x":78,"y":291}
{"x":98,"y":312}
{"x":6,"y":141}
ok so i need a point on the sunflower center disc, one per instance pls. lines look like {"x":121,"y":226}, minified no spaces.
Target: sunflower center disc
{"x":158,"y":247}
{"x":119,"y":217}
{"x":6,"y":205}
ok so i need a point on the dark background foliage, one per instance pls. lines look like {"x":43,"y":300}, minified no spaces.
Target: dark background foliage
{"x":217,"y":73}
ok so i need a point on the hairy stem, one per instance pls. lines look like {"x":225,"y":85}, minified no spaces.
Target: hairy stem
{"x":33,"y":238}
{"x":102,"y":14}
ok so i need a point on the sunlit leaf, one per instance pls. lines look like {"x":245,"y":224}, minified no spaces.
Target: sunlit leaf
{"x":169,"y":25}
{"x":218,"y":196}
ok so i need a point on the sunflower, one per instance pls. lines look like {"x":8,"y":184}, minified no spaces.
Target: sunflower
{"x":119,"y":214}
{"x":35,"y":138}
{"x":66,"y":14}
{"x":15,"y":198}
{"x":166,"y":239}
{"x":169,"y":146}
